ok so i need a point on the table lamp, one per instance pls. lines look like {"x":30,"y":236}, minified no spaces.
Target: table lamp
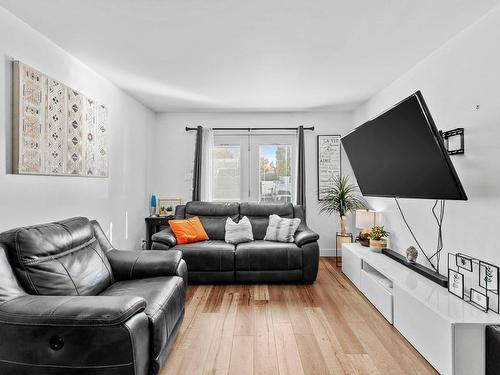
{"x":365,"y":220}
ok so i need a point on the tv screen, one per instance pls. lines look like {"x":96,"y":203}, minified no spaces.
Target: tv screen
{"x":401,"y":154}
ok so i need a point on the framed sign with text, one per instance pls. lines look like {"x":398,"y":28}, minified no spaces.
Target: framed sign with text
{"x":329,"y":161}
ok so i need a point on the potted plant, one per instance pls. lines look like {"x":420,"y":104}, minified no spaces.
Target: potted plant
{"x":163,"y":211}
{"x":342,"y":198}
{"x":170,"y":210}
{"x":378,"y":238}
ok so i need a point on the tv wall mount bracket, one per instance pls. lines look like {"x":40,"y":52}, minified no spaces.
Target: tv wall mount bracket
{"x":456,"y":146}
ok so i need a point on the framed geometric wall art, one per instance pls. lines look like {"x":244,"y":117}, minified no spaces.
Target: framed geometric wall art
{"x":57,"y":130}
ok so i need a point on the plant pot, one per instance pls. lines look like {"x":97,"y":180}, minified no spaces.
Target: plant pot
{"x":378,"y":245}
{"x":343,"y":225}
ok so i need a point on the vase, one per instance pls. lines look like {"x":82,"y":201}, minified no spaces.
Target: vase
{"x":378,"y":245}
{"x":343,"y":225}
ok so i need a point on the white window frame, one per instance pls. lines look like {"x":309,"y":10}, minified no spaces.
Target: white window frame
{"x":250,"y":155}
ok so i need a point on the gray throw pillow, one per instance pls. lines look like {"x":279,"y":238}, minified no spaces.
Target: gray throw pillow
{"x":238,"y":232}
{"x":281,"y":229}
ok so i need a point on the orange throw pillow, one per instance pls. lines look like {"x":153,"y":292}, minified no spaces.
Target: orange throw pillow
{"x":188,"y":231}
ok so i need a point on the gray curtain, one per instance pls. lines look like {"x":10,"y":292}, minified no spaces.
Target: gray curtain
{"x":198,"y":155}
{"x":301,"y":171}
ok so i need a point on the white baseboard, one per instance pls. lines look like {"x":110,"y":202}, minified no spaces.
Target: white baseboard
{"x":329,"y":252}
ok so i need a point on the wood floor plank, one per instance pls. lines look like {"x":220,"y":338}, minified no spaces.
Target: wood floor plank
{"x":328,"y":343}
{"x":296,"y":312}
{"x":261,"y":292}
{"x":287,"y":351}
{"x":327,"y":327}
{"x":193,"y":361}
{"x":277,"y":302}
{"x":214,"y":299}
{"x":311,"y":357}
{"x":242,"y":356}
{"x":266,"y":360}
{"x":219,"y":354}
{"x":363,"y":364}
{"x":245,"y":317}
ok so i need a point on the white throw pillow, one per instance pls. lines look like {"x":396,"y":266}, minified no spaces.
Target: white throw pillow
{"x":281,"y":229}
{"x":238,"y":232}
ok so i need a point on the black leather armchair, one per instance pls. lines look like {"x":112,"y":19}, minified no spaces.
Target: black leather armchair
{"x":215,"y":261}
{"x":72,"y":304}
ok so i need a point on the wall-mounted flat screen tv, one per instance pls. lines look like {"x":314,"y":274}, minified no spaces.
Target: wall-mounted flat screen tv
{"x":401,"y":154}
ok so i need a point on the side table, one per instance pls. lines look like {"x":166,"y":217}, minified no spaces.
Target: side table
{"x":155,"y":224}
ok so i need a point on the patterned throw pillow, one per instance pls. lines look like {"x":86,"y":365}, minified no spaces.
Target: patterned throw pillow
{"x":238,"y":232}
{"x":281,"y":229}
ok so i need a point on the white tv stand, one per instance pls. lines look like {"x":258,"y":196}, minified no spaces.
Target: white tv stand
{"x":446,"y":330}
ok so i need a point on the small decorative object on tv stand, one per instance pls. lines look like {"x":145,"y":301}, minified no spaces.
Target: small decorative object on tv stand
{"x":411,"y":254}
{"x":378,"y":238}
{"x":474,"y":281}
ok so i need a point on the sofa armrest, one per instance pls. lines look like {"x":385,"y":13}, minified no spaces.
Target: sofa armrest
{"x":128,"y":265}
{"x":87,"y":311}
{"x":305,"y":236}
{"x":165,"y":237}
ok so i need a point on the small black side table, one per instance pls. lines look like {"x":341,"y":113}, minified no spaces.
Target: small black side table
{"x":155,"y":224}
{"x":339,"y":240}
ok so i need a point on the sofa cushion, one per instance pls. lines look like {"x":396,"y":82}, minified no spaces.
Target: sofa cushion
{"x":238,"y":232}
{"x":211,"y":255}
{"x":266,"y":255}
{"x":165,"y":304}
{"x":281,"y":229}
{"x":213,"y":216}
{"x":188,"y":230}
{"x":61,"y":258}
{"x":259,"y":213}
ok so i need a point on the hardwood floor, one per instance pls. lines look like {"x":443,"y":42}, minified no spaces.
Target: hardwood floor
{"x":324,"y":328}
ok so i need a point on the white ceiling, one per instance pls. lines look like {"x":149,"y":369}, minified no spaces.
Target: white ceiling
{"x":250,"y":55}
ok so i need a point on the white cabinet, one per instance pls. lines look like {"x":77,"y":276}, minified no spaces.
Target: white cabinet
{"x":447,"y":331}
{"x":351,"y":267}
{"x":430,"y":333}
{"x":378,"y":290}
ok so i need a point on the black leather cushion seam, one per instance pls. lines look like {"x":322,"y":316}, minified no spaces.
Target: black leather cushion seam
{"x":133,"y":347}
{"x":68,"y":367}
{"x":166,"y":346}
{"x":62,"y":254}
{"x":103,"y":262}
{"x":124,"y":316}
{"x":18,"y":253}
{"x":67,"y":272}
{"x":155,"y":315}
{"x":133,"y":265}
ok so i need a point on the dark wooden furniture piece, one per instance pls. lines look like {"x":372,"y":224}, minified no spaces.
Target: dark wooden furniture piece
{"x":153,"y":225}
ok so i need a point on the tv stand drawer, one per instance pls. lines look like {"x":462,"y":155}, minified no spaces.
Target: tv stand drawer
{"x":378,"y":289}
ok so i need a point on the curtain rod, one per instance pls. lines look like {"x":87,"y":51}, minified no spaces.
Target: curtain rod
{"x":250,"y":129}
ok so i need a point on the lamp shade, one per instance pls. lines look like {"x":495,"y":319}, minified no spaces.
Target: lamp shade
{"x":365,"y":219}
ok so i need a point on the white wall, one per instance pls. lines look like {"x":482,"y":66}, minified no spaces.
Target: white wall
{"x":28,"y":200}
{"x":174,"y":148}
{"x":464,"y":73}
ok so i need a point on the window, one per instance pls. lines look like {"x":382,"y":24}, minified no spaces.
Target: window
{"x":253,"y":167}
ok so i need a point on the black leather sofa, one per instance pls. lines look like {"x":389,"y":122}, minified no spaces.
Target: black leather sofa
{"x":215,"y":261}
{"x":71,"y":304}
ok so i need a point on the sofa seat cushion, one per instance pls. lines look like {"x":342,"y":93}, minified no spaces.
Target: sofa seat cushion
{"x":211,"y":255}
{"x":262,"y":255}
{"x":165,"y":298}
